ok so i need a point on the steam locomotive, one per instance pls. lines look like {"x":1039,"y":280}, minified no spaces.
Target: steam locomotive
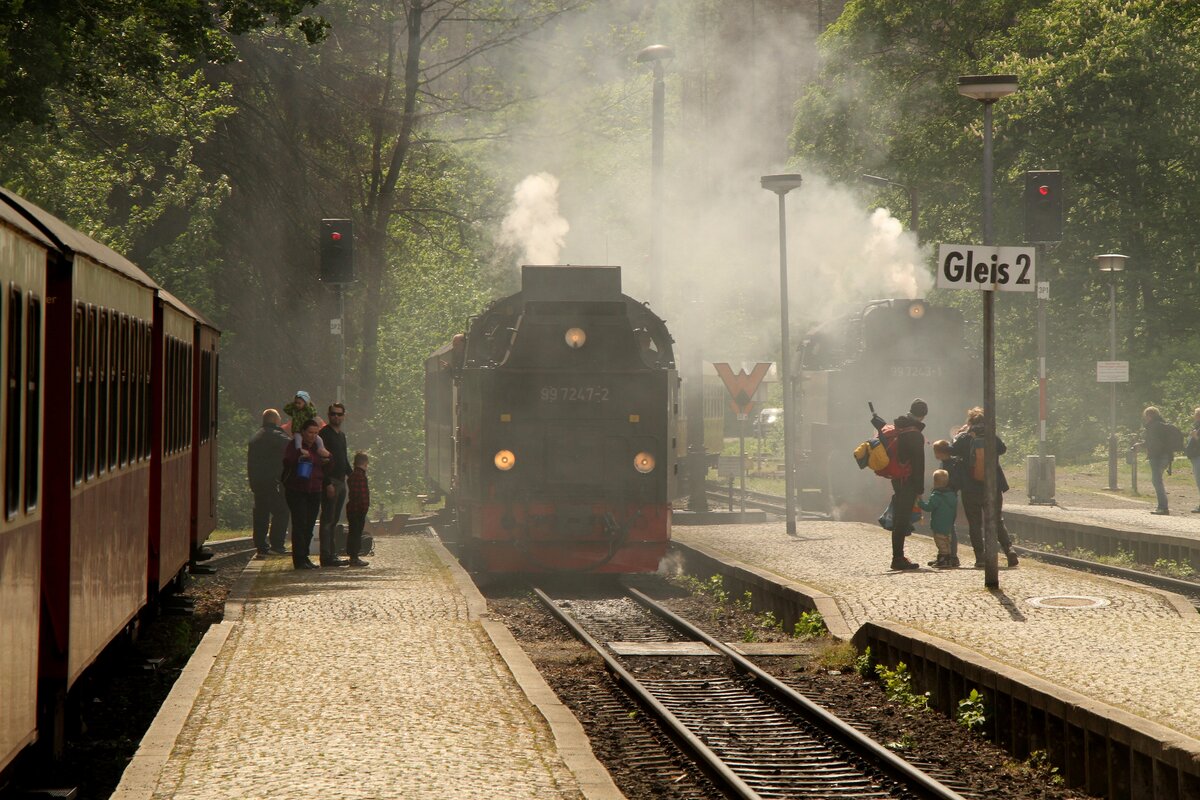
{"x":887,"y":353}
{"x":109,"y":441}
{"x":548,"y":428}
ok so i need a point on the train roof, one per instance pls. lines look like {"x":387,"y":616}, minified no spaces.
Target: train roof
{"x":67,"y":239}
{"x":15,"y":219}
{"x":188,"y":310}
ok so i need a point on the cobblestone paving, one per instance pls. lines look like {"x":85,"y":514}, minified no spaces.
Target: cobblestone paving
{"x":362,"y":684}
{"x":1135,"y":653}
{"x":1179,"y":523}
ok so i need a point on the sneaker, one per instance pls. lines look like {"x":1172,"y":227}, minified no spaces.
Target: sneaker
{"x":337,"y":562}
{"x":1162,"y":512}
{"x":358,"y":562}
{"x":1012,"y":559}
{"x":954,"y":562}
{"x":904,"y":563}
{"x":1196,"y":510}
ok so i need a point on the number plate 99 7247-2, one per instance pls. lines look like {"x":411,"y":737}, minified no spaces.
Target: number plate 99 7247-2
{"x":915,"y":370}
{"x":574,"y":394}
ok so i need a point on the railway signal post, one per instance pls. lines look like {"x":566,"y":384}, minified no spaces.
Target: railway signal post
{"x":337,"y":270}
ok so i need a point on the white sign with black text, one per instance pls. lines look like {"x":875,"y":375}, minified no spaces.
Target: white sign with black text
{"x":1112,"y":372}
{"x":1002,"y":269}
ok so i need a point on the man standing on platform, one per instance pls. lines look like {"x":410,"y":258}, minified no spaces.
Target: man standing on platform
{"x":262,"y":467}
{"x":910,"y":450}
{"x":335,"y":484}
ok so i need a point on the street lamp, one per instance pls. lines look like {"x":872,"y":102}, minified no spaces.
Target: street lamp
{"x":781,"y":185}
{"x":987,"y":89}
{"x":875,"y":180}
{"x":1112,"y":263}
{"x":656,"y":54}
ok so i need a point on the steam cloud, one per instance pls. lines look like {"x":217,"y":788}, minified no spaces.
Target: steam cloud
{"x":533,"y":223}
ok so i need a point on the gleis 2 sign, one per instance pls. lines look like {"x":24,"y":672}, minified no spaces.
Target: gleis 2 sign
{"x":1000,"y":269}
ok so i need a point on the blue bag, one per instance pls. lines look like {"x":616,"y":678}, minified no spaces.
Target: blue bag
{"x":885,"y":519}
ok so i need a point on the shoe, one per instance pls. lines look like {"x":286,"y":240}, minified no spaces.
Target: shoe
{"x":306,"y":565}
{"x":1012,"y":559}
{"x":337,"y":562}
{"x":1196,"y":510}
{"x":1162,"y":512}
{"x":904,"y":563}
{"x":954,"y":562}
{"x":279,"y":551}
{"x":980,"y":565}
{"x":260,"y":556}
{"x":358,"y":562}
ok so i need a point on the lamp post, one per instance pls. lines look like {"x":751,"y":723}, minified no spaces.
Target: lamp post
{"x":656,"y":54}
{"x":987,"y":89}
{"x":875,"y":180}
{"x":781,"y":185}
{"x":1112,"y":263}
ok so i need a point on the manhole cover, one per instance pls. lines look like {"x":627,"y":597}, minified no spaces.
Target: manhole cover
{"x":1068,"y":601}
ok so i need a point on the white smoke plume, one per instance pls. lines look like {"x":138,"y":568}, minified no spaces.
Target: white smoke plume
{"x":533,"y":223}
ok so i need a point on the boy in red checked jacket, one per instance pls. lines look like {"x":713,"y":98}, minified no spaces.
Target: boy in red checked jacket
{"x":358,"y":500}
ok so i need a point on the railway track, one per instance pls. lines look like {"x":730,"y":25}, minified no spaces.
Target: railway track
{"x":749,"y":733}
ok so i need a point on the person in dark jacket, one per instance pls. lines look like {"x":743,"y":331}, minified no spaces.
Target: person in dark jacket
{"x":972,"y":492}
{"x":357,"y":503}
{"x":335,"y":482}
{"x":1192,"y":450}
{"x":1158,"y":453}
{"x":910,"y":450}
{"x":270,"y":512}
{"x":303,"y":487}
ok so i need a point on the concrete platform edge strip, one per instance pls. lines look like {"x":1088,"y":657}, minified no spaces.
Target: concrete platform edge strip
{"x":572,"y":742}
{"x":1159,"y":544}
{"x":142,"y":774}
{"x":785,"y":598}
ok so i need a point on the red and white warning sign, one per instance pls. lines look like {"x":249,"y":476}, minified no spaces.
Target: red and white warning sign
{"x":742,"y":386}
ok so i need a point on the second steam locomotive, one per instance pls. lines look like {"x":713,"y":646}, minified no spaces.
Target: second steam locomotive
{"x":549,"y":425}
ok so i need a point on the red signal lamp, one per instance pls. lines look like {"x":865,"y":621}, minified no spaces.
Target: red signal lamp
{"x":1044,"y":191}
{"x":337,"y":237}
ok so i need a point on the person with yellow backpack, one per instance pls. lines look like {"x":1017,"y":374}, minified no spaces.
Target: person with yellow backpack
{"x":968,"y":445}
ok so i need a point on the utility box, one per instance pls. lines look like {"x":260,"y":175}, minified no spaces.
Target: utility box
{"x":1039,"y":474}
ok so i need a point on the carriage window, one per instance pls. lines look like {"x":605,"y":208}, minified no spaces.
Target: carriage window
{"x":12,"y":414}
{"x":189,"y":383}
{"x":126,"y":408}
{"x":169,"y":404}
{"x":77,"y":434}
{"x":147,"y":356}
{"x":102,"y":394}
{"x":114,"y":387}
{"x":89,"y":351}
{"x":33,"y":399}
{"x":205,"y":390}
{"x":216,"y":393}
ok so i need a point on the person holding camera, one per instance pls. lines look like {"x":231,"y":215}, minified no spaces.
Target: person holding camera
{"x":969,"y":446}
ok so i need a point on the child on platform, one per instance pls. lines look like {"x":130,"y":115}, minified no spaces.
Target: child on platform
{"x":942,"y":506}
{"x":358,"y":501}
{"x":301,"y":410}
{"x":945,"y":455}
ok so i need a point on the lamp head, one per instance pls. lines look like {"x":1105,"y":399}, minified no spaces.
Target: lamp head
{"x":875,"y":180}
{"x":655,"y":52}
{"x":1111,"y":262}
{"x":781,"y":184}
{"x":987,"y":88}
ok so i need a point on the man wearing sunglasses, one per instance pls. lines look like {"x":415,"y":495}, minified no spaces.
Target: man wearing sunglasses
{"x":334,"y":497}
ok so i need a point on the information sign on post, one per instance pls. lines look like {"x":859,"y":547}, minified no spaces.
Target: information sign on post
{"x":1112,"y":372}
{"x":1001,"y":269}
{"x":742,"y":388}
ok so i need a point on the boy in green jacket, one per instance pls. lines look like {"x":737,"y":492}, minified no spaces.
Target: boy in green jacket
{"x":942,"y":506}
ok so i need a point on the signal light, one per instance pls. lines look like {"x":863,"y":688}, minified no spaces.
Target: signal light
{"x":505,"y":460}
{"x":337,"y":251}
{"x":1043,"y":206}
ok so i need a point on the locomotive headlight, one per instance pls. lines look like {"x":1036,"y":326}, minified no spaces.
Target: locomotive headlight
{"x":575,"y":338}
{"x":916,"y":310}
{"x":505,"y":460}
{"x":643,"y":462}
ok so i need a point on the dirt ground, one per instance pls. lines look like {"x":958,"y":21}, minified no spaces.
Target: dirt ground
{"x":824,"y":671}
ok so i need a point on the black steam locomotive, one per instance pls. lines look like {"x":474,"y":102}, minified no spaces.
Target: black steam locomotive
{"x":888,"y":353}
{"x":548,"y":428}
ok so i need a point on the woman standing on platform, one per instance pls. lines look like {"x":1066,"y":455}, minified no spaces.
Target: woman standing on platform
{"x":304,"y":470}
{"x":1158,"y":453}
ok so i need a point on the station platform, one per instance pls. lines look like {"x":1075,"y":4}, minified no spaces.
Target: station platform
{"x":384,"y":682}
